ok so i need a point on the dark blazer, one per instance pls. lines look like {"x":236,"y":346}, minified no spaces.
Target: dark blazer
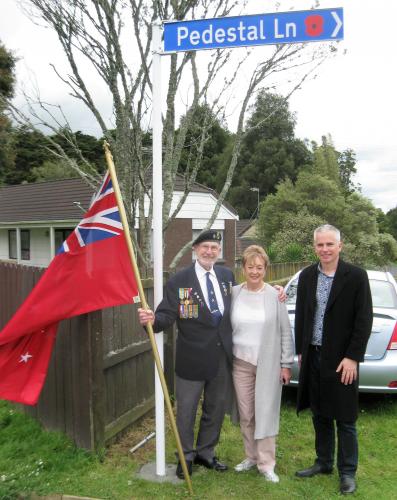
{"x":199,"y":342}
{"x":346,"y":330}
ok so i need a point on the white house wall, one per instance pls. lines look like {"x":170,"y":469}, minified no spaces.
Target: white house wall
{"x":200,"y":206}
{"x":197,"y":206}
{"x":201,"y":223}
{"x":39,"y":247}
{"x":3,"y":244}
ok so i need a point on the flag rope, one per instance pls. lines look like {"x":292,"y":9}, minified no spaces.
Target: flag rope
{"x":149,"y":328}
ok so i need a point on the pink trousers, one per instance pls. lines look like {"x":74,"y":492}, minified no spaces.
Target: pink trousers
{"x":260,"y":451}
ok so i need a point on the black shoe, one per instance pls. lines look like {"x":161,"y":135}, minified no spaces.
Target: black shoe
{"x":179,"y":470}
{"x":347,"y":485}
{"x":211,"y":464}
{"x":313,"y":471}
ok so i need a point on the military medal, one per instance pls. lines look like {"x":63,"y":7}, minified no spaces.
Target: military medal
{"x":186,"y":306}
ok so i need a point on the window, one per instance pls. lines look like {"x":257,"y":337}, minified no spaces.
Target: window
{"x":25,"y":244}
{"x":196,"y":232}
{"x":12,"y":244}
{"x":61,"y":235}
{"x":383,"y":294}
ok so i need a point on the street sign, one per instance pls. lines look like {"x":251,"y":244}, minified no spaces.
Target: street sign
{"x":260,"y":29}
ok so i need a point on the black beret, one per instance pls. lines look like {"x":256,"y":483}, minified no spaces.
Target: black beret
{"x":209,"y":235}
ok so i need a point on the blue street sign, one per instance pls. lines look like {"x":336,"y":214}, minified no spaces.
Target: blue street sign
{"x":260,"y":29}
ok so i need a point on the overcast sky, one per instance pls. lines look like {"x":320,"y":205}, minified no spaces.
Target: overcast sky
{"x":353,"y":98}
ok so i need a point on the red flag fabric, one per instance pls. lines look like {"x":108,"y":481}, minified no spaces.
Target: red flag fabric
{"x":92,"y":270}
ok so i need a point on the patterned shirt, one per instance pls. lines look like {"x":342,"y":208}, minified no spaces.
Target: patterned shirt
{"x":324,"y":284}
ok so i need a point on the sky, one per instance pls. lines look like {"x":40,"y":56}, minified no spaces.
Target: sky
{"x":353,"y":97}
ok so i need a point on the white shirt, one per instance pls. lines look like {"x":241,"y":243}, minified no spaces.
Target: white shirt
{"x":248,"y":323}
{"x":201,"y":276}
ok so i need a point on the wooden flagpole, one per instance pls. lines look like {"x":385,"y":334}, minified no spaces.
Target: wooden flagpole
{"x":149,"y":328}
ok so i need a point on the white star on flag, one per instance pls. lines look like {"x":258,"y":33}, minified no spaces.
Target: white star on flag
{"x":25,"y":357}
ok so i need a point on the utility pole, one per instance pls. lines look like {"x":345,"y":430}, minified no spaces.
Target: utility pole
{"x":257,"y":203}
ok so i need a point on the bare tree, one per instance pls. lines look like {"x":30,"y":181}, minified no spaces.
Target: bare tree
{"x":100,"y":34}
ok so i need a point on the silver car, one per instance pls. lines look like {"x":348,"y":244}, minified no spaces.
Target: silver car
{"x":378,"y":373}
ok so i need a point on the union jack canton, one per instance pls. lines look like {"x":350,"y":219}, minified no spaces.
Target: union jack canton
{"x":102,"y":220}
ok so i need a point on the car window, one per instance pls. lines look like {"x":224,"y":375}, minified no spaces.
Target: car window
{"x":383,"y":294}
{"x":291,"y":291}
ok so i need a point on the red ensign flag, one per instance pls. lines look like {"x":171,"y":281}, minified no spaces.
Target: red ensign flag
{"x":91,"y":270}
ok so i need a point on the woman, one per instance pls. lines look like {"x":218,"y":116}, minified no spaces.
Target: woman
{"x":263,"y":355}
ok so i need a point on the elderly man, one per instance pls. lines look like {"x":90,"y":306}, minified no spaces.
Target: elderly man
{"x":198,"y":299}
{"x":333,"y":321}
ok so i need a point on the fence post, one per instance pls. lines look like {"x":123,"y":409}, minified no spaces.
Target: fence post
{"x":97,"y":381}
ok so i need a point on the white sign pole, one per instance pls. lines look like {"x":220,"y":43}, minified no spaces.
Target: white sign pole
{"x":157,"y":194}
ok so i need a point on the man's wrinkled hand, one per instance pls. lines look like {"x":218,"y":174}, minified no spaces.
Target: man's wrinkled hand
{"x":145,"y":316}
{"x":282,"y":296}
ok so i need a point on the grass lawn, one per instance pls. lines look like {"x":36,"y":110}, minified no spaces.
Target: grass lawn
{"x":34,"y":461}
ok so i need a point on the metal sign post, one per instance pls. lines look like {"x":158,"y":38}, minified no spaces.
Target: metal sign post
{"x":157,"y":195}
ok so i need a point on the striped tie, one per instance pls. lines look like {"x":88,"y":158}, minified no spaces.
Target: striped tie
{"x":216,"y":314}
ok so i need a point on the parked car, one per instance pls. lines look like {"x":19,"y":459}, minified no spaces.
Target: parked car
{"x":378,"y":373}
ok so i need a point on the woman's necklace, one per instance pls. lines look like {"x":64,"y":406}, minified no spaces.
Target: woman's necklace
{"x":256,"y":290}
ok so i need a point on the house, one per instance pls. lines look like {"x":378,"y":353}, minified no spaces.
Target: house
{"x":36,"y":218}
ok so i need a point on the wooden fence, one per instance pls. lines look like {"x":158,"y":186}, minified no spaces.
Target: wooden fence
{"x":101,"y":375}
{"x":277,"y":272}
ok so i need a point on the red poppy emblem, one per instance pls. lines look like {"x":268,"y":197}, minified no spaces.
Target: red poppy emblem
{"x":314,"y":25}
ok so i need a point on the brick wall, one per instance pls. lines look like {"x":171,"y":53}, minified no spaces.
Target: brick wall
{"x":229,"y":244}
{"x":179,"y":232}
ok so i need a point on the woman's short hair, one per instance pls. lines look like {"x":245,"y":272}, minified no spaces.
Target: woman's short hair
{"x":255,"y":251}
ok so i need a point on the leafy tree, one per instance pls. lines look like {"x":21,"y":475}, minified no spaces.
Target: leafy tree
{"x":51,"y":170}
{"x":30,"y":152}
{"x":326,"y":160}
{"x":289,"y":216}
{"x":7,"y":84}
{"x":388,"y":246}
{"x":274,"y":209}
{"x":270,"y":152}
{"x":371,"y":250}
{"x":316,"y":195}
{"x":391,"y":217}
{"x":7,"y":73}
{"x":39,"y":157}
{"x":347,"y":170}
{"x":7,"y":155}
{"x":207,"y":133}
{"x":382,"y":220}
{"x":294,"y":241}
{"x":360,"y":216}
{"x":293,"y":252}
{"x":82,"y":147}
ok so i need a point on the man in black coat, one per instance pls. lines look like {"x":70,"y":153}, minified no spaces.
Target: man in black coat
{"x":333,"y":321}
{"x":198,"y":299}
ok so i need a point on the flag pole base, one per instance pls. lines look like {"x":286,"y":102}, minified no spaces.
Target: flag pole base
{"x":148,"y":472}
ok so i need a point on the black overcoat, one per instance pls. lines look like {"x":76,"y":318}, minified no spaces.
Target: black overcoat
{"x":199,"y":341}
{"x":346,"y":330}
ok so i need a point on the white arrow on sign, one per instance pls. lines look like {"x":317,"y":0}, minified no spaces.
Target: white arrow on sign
{"x":338,"y":24}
